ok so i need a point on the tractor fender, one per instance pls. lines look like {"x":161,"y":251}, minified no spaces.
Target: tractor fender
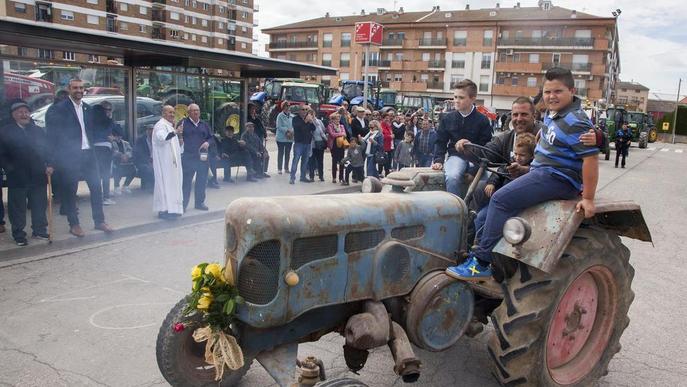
{"x":337,"y":100}
{"x":357,"y":101}
{"x":258,"y":97}
{"x":554,"y":224}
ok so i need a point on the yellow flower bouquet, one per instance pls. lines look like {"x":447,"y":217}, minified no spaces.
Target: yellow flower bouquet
{"x":216,"y":299}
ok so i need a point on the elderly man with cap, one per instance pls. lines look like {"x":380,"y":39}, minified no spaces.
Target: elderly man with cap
{"x":303,"y":128}
{"x":23,"y":146}
{"x":359,"y":124}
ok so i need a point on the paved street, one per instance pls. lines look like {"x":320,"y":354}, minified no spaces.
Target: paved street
{"x":89,"y":317}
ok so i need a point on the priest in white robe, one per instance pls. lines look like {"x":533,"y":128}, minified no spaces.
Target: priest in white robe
{"x":166,"y":153}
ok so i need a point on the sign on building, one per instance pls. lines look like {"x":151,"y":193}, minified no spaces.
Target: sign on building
{"x":666,"y":126}
{"x":369,"y":33}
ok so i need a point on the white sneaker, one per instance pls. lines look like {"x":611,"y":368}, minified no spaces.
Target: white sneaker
{"x":108,"y":202}
{"x":126,"y":190}
{"x":117,"y":191}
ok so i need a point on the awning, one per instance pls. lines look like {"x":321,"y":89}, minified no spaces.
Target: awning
{"x":143,"y":52}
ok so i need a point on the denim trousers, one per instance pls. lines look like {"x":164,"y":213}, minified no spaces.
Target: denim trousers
{"x":371,"y":166}
{"x":455,"y":168}
{"x":301,"y":152}
{"x":537,"y":186}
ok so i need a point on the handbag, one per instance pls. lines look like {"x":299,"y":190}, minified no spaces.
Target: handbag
{"x":380,"y":157}
{"x":342,"y":142}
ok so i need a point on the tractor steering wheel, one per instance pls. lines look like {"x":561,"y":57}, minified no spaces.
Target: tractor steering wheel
{"x":478,"y":154}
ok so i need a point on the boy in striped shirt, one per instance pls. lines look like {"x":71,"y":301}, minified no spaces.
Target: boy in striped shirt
{"x":563,"y":167}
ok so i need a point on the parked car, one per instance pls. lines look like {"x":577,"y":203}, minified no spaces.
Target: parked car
{"x":148,"y":111}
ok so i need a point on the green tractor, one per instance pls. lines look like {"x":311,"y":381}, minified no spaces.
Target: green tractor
{"x":641,"y":124}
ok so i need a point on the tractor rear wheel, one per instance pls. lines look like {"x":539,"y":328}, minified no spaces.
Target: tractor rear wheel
{"x":643,"y":140}
{"x":182,"y":361}
{"x":563,"y":328}
{"x":653,"y":135}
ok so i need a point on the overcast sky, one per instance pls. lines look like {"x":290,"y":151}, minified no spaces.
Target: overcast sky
{"x":653,"y":34}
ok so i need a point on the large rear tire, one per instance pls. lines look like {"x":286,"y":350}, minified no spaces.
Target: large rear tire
{"x":181,"y":360}
{"x":643,"y":140}
{"x":653,"y":135}
{"x":563,"y":328}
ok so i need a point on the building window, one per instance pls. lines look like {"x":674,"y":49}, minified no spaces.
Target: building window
{"x":194,"y":4}
{"x":206,"y":6}
{"x":534,"y":58}
{"x":326,"y":59}
{"x":220,"y":25}
{"x":187,"y":19}
{"x":486,"y":61}
{"x":67,"y":15}
{"x":483,"y":83}
{"x":345,"y":39}
{"x":220,"y":41}
{"x":425,"y":57}
{"x":345,"y":59}
{"x":92,"y":19}
{"x":455,"y":78}
{"x":22,"y":51}
{"x":123,"y":26}
{"x":174,"y":33}
{"x":111,"y":24}
{"x":193,"y":20}
{"x":185,"y":35}
{"x":92,"y":1}
{"x":204,"y":22}
{"x":68,"y":55}
{"x":398,"y":57}
{"x":142,"y":10}
{"x":488,"y":38}
{"x":500,"y":80}
{"x":344,"y":76}
{"x":93,"y":58}
{"x":45,"y":54}
{"x":398,"y":77}
{"x":204,"y":39}
{"x":514,"y":81}
{"x":187,"y":2}
{"x":193,"y":37}
{"x":221,"y":9}
{"x":174,"y":15}
{"x":244,"y":45}
{"x":19,"y":7}
{"x":123,"y":7}
{"x":460,"y":38}
{"x":458,"y":61}
{"x":244,"y":15}
{"x":43,"y":12}
{"x":326,"y":40}
{"x":244,"y":29}
{"x":531,"y":82}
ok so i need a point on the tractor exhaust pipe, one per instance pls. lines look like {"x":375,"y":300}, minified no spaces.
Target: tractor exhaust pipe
{"x":407,"y":365}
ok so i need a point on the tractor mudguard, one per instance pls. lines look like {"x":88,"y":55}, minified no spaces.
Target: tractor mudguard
{"x":258,"y":97}
{"x":336,"y":100}
{"x":554,"y":224}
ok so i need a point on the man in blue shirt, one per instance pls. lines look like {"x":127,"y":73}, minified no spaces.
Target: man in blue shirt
{"x":623,"y":138}
{"x":194,"y":159}
{"x":562,"y":168}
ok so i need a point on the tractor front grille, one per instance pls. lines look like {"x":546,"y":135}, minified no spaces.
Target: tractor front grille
{"x":306,"y":250}
{"x":259,"y":273}
{"x":408,"y":232}
{"x":363,"y":240}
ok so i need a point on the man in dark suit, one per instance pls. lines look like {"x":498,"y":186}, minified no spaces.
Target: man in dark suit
{"x":22,"y":149}
{"x":359,"y":125}
{"x":70,"y":132}
{"x":194,"y":160}
{"x":143,"y":159}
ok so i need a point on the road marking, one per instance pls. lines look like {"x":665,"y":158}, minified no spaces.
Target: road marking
{"x":678,"y":150}
{"x":651,"y":149}
{"x":665,"y":150}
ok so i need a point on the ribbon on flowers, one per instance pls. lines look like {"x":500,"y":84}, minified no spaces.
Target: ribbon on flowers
{"x":221,"y":350}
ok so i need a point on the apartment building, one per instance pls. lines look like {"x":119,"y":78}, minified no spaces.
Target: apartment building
{"x":218,"y":24}
{"x":633,"y":96}
{"x":505,"y":51}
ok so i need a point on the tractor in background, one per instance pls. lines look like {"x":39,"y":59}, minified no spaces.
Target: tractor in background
{"x":352,"y":92}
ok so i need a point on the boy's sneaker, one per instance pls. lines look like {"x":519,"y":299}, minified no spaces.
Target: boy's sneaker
{"x":41,"y":235}
{"x":108,"y":202}
{"x":470,"y":270}
{"x":21,"y":241}
{"x":117,"y":191}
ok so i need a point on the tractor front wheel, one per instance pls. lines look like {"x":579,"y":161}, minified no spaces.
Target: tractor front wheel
{"x":182,"y":361}
{"x":563,"y":328}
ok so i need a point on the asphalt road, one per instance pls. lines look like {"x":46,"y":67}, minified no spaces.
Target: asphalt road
{"x":90,"y":318}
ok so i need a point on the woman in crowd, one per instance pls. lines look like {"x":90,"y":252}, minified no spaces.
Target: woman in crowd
{"x":387,"y":132}
{"x":374,"y":143}
{"x":284,"y":137}
{"x":319,"y":144}
{"x":336,"y":141}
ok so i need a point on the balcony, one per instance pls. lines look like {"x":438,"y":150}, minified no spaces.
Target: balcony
{"x":159,"y":33}
{"x":581,"y":67}
{"x":547,"y":42}
{"x":433,"y":42}
{"x":43,"y":12}
{"x":436,"y":64}
{"x":384,"y":64}
{"x":110,"y":6}
{"x":523,"y":67}
{"x":392,"y":42}
{"x":284,"y":45}
{"x":159,"y":15}
{"x":435,"y":85}
{"x":376,"y":63}
{"x":514,"y":91}
{"x":417,"y":86}
{"x":159,"y":3}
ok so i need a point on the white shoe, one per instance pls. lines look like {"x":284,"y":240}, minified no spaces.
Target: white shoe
{"x":108,"y":202}
{"x":117,"y":191}
{"x":126,"y":190}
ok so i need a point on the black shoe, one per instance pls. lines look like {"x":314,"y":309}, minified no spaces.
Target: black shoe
{"x":306,"y":180}
{"x":252,"y":179}
{"x":229,"y":180}
{"x":201,"y":207}
{"x":258,"y":177}
{"x":623,"y":167}
{"x":292,"y":181}
{"x":265,"y":175}
{"x":213,"y":185}
{"x":21,"y":241}
{"x":41,"y":235}
{"x":163,"y":214}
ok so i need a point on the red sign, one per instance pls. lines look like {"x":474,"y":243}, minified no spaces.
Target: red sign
{"x":369,"y":33}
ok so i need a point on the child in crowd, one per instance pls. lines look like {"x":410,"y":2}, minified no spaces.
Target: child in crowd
{"x":354,"y":161}
{"x":523,"y":154}
{"x":404,"y":152}
{"x":563,"y":167}
{"x":123,"y":162}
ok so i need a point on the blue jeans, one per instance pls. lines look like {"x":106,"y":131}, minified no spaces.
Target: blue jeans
{"x":425,"y":160}
{"x":455,"y":168}
{"x":537,"y":186}
{"x":480,"y":219}
{"x":300,"y":152}
{"x":371,"y":166}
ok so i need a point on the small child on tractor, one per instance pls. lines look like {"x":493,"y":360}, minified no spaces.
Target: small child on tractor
{"x":563,"y":167}
{"x":523,"y":154}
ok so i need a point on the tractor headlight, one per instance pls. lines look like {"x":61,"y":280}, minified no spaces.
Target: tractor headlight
{"x":516,"y":231}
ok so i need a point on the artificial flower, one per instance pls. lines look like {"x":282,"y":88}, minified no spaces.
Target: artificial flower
{"x":205,"y":301}
{"x":196,"y":273}
{"x":215,"y":270}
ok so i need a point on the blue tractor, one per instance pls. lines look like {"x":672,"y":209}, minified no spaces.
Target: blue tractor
{"x":373,"y":271}
{"x":352,"y":92}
